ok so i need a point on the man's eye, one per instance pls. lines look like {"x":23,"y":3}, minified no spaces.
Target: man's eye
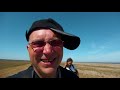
{"x":56,"y":42}
{"x":39,"y":43}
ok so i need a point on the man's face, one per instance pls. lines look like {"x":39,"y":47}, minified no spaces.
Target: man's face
{"x":45,"y":56}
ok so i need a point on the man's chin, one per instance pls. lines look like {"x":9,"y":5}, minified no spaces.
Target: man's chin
{"x":50,"y":72}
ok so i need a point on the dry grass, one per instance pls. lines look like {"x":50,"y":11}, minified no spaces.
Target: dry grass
{"x":86,"y":70}
{"x":12,"y":70}
{"x":98,"y":70}
{"x":10,"y":67}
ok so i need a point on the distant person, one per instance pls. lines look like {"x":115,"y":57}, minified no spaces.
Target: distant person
{"x":69,"y":66}
{"x":46,"y":39}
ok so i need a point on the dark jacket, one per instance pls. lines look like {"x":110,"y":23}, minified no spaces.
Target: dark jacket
{"x":75,"y":69}
{"x":30,"y":73}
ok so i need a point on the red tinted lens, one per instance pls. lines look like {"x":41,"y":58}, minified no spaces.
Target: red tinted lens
{"x":38,"y":44}
{"x":56,"y":42}
{"x":39,"y":50}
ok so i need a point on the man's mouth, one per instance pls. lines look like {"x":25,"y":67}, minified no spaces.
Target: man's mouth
{"x":48,"y":60}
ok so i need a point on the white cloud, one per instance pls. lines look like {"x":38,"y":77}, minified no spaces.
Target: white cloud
{"x":108,"y":57}
{"x":96,"y":49}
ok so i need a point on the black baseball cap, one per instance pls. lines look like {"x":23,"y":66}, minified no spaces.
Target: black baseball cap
{"x":71,"y":42}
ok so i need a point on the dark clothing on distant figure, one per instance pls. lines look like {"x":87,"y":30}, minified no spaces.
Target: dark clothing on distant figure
{"x":71,"y":68}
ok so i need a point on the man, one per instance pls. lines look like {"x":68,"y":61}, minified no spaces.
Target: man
{"x":46,"y":39}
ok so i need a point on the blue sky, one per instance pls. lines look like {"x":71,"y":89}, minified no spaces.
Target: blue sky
{"x":99,"y":33}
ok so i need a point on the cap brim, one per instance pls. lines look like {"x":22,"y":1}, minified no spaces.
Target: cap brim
{"x":70,"y":41}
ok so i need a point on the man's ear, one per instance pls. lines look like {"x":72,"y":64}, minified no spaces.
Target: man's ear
{"x":27,"y":46}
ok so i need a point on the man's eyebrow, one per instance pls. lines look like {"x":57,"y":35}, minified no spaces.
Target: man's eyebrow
{"x":37,"y":40}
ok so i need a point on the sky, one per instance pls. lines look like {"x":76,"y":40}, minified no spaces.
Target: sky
{"x":99,"y":33}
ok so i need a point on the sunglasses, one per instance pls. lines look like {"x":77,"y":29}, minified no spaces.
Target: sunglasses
{"x":40,"y":43}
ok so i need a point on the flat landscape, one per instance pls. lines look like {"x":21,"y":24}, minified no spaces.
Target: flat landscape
{"x":86,"y":70}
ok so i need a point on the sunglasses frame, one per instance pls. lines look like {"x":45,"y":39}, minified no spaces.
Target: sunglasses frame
{"x":32,"y":44}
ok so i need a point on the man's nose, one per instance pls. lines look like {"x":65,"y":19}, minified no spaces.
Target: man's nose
{"x":47,"y":49}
